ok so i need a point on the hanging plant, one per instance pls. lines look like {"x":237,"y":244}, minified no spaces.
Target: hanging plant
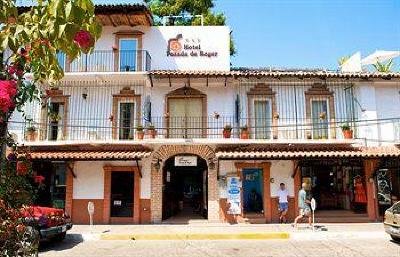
{"x":322,"y":116}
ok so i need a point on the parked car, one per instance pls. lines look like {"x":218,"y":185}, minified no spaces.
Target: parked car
{"x":51,"y":223}
{"x":392,"y":221}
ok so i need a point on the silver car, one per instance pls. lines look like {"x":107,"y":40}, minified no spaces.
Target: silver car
{"x":392,"y":221}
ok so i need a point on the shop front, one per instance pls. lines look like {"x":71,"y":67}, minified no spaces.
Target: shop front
{"x":338,"y":186}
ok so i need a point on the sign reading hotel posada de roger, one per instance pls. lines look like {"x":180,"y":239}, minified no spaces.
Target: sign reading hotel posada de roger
{"x":185,"y":160}
{"x":233,"y":195}
{"x":180,"y":46}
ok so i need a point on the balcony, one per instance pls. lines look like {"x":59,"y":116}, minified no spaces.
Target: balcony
{"x":205,"y":128}
{"x":107,"y":61}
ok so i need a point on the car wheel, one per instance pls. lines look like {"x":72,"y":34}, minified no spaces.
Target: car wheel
{"x":395,"y":238}
{"x":60,"y":237}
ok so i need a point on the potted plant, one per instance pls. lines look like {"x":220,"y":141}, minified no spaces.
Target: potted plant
{"x":139,"y":132}
{"x":244,"y":132}
{"x":54,"y":117}
{"x":151,"y":131}
{"x":31,"y":133}
{"x":227,"y":131}
{"x":347,"y":131}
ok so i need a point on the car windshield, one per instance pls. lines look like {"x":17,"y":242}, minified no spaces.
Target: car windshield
{"x":396,"y":208}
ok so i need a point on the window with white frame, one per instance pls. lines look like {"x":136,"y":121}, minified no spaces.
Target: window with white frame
{"x":320,"y":118}
{"x":262,"y":119}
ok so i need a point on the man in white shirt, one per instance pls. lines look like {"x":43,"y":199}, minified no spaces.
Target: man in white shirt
{"x":283,"y":195}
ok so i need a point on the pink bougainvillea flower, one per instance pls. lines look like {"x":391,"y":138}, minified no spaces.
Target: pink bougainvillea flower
{"x":39,"y":179}
{"x":8,"y":90}
{"x":83,"y":39}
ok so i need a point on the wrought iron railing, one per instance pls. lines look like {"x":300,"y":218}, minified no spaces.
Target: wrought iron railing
{"x":387,"y":130}
{"x":108,"y":61}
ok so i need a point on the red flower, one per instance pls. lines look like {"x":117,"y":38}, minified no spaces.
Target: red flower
{"x":83,"y":39}
{"x":39,"y":179}
{"x":19,"y":73}
{"x":22,"y":168}
{"x":8,"y":89}
{"x":20,"y":228}
{"x":12,"y":69}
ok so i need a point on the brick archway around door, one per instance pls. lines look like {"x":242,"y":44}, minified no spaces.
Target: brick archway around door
{"x":167,"y":151}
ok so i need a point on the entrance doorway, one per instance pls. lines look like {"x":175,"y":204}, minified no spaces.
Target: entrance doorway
{"x":122,"y":194}
{"x":253,"y":191}
{"x":338,"y":188}
{"x":184,"y":189}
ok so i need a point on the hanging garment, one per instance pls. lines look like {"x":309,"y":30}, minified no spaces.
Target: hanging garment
{"x":359,"y":193}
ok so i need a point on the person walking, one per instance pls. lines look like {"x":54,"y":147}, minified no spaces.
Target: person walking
{"x":304,"y":206}
{"x":283,"y":195}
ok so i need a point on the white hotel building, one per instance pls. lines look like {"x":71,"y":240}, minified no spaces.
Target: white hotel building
{"x":84,"y":139}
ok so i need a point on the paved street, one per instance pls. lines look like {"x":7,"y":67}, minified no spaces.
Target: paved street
{"x":358,"y":240}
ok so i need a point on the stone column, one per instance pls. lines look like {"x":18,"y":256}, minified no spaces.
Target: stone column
{"x":156,"y":195}
{"x":213,"y":196}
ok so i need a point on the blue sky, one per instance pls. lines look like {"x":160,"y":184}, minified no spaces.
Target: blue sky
{"x":310,"y":33}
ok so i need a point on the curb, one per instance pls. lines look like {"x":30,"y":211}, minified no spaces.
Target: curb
{"x":198,"y":236}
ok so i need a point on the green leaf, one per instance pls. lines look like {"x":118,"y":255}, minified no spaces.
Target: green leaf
{"x":68,"y":10}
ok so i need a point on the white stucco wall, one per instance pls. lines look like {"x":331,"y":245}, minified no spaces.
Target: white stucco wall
{"x":155,"y":41}
{"x":379,"y":100}
{"x":89,"y":181}
{"x":281,"y":172}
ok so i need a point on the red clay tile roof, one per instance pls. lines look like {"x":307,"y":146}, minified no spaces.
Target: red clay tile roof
{"x":275,"y":74}
{"x":89,"y":155}
{"x":88,"y":151}
{"x":302,"y":151}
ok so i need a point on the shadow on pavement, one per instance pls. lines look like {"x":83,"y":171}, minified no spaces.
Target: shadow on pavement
{"x":70,"y":241}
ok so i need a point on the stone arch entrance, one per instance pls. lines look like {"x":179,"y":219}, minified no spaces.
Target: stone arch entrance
{"x":164,"y":153}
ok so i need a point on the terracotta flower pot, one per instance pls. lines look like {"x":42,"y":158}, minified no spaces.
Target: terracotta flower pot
{"x":152,"y":133}
{"x":244,"y":134}
{"x":227,"y":133}
{"x":140,"y":135}
{"x":31,"y":136}
{"x":348,"y":134}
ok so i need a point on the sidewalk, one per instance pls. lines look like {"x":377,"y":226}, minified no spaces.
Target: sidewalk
{"x":226,"y":232}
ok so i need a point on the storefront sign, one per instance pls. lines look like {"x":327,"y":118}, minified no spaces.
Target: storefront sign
{"x":185,"y":161}
{"x":181,"y":46}
{"x":233,"y":195}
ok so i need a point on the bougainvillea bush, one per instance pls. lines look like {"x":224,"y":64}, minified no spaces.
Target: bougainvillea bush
{"x":30,"y":39}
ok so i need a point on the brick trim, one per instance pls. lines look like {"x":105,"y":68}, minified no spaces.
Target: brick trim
{"x":69,"y":188}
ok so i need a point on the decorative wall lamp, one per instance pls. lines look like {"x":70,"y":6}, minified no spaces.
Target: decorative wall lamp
{"x":84,"y":93}
{"x":211,"y":163}
{"x":157,"y":165}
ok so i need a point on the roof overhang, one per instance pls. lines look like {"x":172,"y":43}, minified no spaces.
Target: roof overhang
{"x":259,"y":74}
{"x":118,"y":14}
{"x":300,"y":151}
{"x":68,"y":152}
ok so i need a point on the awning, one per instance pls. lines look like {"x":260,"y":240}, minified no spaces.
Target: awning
{"x":306,"y":151}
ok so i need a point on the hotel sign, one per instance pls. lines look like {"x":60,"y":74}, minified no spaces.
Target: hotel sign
{"x":185,"y":161}
{"x":188,"y":47}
